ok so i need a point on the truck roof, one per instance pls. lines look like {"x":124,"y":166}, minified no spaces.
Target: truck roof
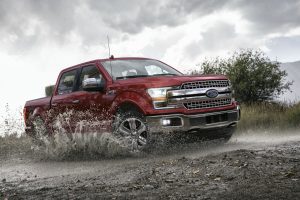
{"x":218,"y":76}
{"x":107,"y":59}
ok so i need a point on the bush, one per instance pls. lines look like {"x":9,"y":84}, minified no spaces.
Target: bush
{"x":253,"y":75}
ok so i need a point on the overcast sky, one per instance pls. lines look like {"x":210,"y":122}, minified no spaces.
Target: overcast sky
{"x":38,"y":38}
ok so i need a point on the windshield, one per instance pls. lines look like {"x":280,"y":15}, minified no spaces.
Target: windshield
{"x":123,"y":69}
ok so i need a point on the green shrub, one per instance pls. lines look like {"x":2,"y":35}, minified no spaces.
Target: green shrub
{"x":253,"y":75}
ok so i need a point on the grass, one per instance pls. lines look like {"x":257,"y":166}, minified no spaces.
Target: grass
{"x":14,"y":144}
{"x":275,"y":116}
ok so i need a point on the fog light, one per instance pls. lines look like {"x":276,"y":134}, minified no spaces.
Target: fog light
{"x":174,"y":121}
{"x":166,"y":122}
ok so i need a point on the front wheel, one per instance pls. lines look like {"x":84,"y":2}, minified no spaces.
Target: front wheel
{"x":222,"y":134}
{"x":226,"y":133}
{"x":133,"y":130}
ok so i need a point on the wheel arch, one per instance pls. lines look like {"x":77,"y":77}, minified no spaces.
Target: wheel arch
{"x":129,"y":106}
{"x":127,"y":100}
{"x":38,"y":112}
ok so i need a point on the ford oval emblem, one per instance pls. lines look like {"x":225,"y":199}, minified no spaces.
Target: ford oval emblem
{"x":212,"y":93}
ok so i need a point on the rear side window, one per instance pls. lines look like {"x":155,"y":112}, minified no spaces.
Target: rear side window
{"x":67,"y":82}
{"x":89,"y":72}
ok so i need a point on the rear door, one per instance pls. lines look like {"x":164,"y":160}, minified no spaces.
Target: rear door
{"x":64,"y":100}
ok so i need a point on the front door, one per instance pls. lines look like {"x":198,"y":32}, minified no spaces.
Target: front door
{"x":91,"y":105}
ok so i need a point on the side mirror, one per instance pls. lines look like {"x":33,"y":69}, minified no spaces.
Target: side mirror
{"x":93,"y":84}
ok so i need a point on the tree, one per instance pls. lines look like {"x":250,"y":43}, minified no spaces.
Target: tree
{"x":253,"y":75}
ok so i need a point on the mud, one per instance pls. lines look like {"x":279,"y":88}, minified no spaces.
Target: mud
{"x":247,"y":167}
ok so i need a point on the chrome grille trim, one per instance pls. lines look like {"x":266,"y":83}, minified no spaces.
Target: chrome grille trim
{"x":205,"y":84}
{"x":207,"y":104}
{"x":181,"y":100}
{"x":199,"y":91}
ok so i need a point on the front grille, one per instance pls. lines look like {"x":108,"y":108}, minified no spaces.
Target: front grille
{"x":205,"y":84}
{"x":207,"y":104}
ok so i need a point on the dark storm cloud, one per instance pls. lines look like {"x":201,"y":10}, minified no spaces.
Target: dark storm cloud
{"x":132,"y":16}
{"x":265,"y":15}
{"x":270,"y":15}
{"x":54,"y":19}
{"x":92,"y":20}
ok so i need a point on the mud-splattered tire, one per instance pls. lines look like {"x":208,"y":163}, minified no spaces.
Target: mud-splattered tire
{"x":131,"y":126}
{"x":227,"y":133}
{"x":222,"y":135}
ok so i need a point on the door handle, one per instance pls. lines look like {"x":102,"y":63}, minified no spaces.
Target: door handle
{"x":75,"y":101}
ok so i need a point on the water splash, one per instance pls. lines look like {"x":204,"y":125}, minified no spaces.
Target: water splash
{"x":11,"y":122}
{"x":89,"y":139}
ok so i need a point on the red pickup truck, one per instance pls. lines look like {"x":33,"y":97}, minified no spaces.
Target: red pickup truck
{"x":138,"y":97}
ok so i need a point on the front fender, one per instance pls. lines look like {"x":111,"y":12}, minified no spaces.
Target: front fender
{"x":141,"y":101}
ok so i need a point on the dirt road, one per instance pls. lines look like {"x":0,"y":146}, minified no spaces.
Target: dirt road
{"x":244,"y":168}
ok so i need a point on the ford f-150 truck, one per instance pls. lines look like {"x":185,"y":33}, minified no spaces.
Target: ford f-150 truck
{"x":140,"y":97}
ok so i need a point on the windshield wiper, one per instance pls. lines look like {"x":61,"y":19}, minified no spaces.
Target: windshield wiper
{"x":144,"y":75}
{"x":135,"y":76}
{"x":165,"y":75}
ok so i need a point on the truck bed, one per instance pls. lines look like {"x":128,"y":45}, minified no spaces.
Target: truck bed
{"x":43,"y":103}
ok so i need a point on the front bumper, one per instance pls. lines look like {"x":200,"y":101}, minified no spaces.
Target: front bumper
{"x":185,"y":123}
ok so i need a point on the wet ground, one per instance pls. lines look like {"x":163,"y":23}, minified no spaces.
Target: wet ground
{"x":256,"y":167}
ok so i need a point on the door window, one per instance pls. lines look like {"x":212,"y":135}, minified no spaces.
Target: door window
{"x":67,"y":82}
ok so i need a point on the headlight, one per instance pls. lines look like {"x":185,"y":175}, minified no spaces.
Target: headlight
{"x":158,"y":94}
{"x":159,"y":97}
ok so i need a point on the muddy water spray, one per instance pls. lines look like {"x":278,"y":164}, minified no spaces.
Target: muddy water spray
{"x":90,"y":139}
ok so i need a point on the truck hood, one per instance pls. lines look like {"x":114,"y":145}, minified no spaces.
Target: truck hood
{"x":165,"y":81}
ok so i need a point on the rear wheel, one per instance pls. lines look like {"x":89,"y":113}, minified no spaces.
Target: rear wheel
{"x":40,"y":132}
{"x":132,"y":128}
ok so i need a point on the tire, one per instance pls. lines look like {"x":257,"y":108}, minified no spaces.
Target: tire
{"x":132,"y":128}
{"x":227,"y":133}
{"x":223,"y":134}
